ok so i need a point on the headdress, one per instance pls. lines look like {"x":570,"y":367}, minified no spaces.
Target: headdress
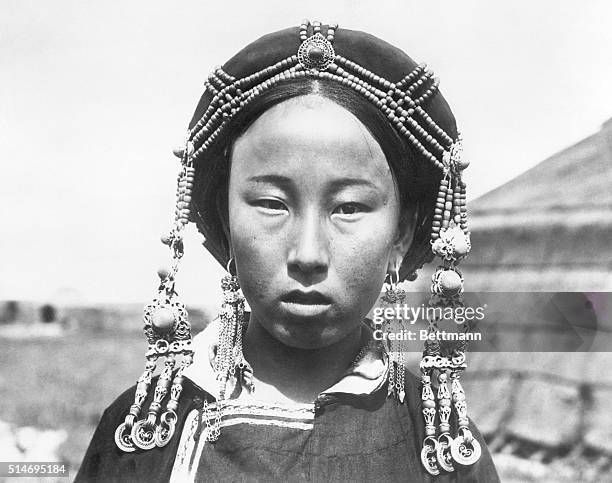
{"x":407,"y":94}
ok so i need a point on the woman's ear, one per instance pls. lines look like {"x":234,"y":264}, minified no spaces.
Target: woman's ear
{"x":222,"y":198}
{"x":405,"y":230}
{"x":223,"y":214}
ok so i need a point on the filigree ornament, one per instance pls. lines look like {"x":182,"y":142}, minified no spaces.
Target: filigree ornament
{"x":457,"y":156}
{"x":458,"y":360}
{"x":453,"y":244}
{"x":443,"y":452}
{"x":463,"y":452}
{"x":454,"y":158}
{"x":168,"y":333}
{"x":123,"y":439}
{"x":430,"y":415}
{"x":164,"y":432}
{"x":445,"y":301}
{"x":316,"y":53}
{"x":429,"y":456}
{"x":393,"y":294}
{"x":442,"y":362}
{"x":447,"y":282}
{"x":444,"y":439}
{"x":166,"y":319}
{"x":143,"y":434}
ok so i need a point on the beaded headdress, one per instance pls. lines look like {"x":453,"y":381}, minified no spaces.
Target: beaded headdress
{"x":408,"y":95}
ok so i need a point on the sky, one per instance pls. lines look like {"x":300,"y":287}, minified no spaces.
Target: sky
{"x":94,"y":96}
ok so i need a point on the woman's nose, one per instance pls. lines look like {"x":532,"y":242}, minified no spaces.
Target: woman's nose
{"x":309,"y":251}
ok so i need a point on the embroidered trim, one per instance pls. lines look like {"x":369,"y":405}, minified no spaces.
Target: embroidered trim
{"x":251,"y":407}
{"x":236,"y":411}
{"x":188,"y":449}
{"x":266,"y":422}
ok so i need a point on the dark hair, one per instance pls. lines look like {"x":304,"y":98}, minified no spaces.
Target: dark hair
{"x":416,"y":179}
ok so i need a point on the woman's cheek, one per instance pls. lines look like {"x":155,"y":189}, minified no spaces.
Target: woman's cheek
{"x":256,"y":259}
{"x":371,"y":241}
{"x":249,"y":233}
{"x":362,"y":262}
{"x":373,"y":248}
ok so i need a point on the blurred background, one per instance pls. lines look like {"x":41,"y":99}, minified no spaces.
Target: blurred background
{"x":94,"y":97}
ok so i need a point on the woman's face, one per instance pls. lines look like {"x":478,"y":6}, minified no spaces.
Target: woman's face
{"x":313,"y":220}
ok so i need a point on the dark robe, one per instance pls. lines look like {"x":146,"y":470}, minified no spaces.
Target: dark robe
{"x":352,"y":438}
{"x":352,"y":432}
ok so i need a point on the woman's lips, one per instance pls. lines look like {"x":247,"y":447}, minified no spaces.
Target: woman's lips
{"x":306,"y":298}
{"x":306,"y":304}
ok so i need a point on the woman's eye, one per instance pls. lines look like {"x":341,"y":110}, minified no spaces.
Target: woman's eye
{"x":348,"y":209}
{"x":270,"y":204}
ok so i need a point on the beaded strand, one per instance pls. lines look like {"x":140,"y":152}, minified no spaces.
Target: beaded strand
{"x":304,"y":30}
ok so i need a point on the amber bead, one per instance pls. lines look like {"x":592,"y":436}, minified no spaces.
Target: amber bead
{"x":163,"y":272}
{"x":428,"y":403}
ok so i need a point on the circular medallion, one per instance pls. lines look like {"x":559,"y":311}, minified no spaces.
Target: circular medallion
{"x":463,"y":453}
{"x":123,"y":440}
{"x":164,"y":433}
{"x":428,"y":456}
{"x":143,"y":435}
{"x":445,"y":459}
{"x":316,"y":52}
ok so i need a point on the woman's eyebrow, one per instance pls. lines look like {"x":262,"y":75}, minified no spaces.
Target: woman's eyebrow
{"x":340,"y":183}
{"x":275,"y":179}
{"x":333,"y":185}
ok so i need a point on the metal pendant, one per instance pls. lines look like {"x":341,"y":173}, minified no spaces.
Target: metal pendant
{"x":316,"y":52}
{"x":443,"y":453}
{"x":123,"y":439}
{"x":164,"y":433}
{"x":143,"y":435}
{"x":428,"y":455}
{"x":464,"y":453}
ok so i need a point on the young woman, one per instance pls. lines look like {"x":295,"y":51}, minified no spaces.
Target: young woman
{"x":319,"y":163}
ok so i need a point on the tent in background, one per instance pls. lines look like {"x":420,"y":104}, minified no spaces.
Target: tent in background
{"x":550,"y":228}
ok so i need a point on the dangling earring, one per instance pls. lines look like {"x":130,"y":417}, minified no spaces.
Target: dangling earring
{"x":230,"y":365}
{"x":229,"y":349}
{"x":394,"y":295}
{"x":168,"y":333}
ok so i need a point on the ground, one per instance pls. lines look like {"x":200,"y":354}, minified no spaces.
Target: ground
{"x":66,"y":382}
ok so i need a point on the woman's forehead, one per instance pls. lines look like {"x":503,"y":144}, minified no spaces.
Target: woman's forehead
{"x":309,"y":132}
